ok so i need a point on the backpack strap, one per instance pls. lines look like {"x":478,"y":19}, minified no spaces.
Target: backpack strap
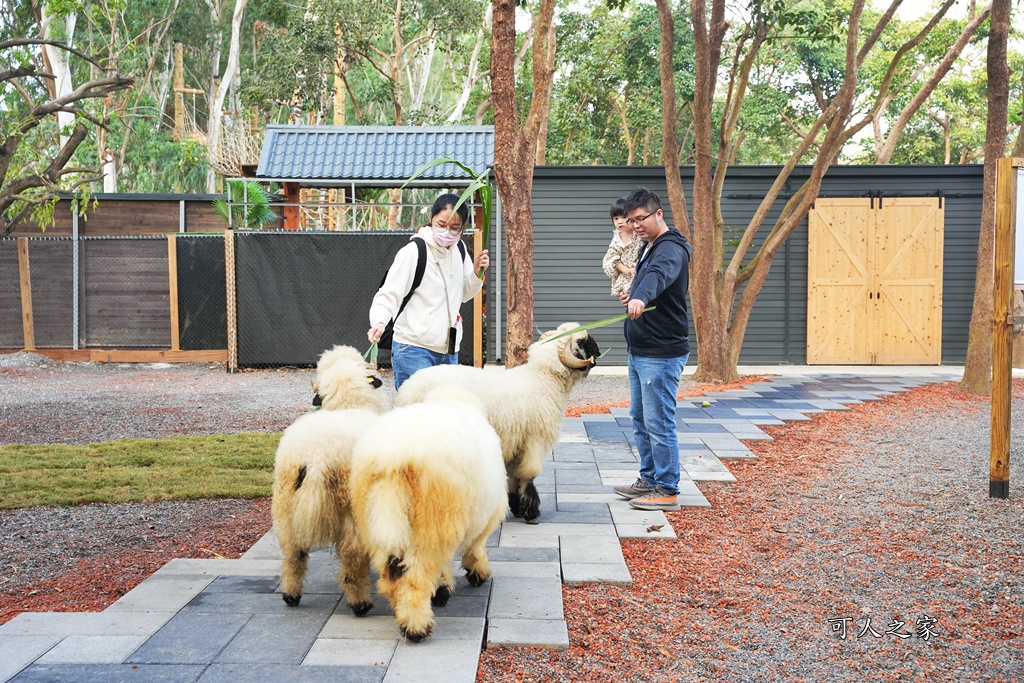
{"x":417,"y":278}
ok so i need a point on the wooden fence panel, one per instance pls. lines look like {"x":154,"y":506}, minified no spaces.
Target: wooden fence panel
{"x":52,"y":294}
{"x":126,"y":293}
{"x":11,"y":334}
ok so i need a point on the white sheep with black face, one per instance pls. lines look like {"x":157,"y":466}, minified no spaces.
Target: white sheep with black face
{"x":310,"y":504}
{"x":525,"y":404}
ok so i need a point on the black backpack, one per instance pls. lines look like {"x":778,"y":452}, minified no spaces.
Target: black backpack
{"x":421,"y":266}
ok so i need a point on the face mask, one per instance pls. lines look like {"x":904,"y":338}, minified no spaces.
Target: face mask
{"x":445,"y":239}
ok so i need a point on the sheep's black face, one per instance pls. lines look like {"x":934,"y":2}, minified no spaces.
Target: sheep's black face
{"x":318,"y":400}
{"x":375,"y":381}
{"x":587,"y":348}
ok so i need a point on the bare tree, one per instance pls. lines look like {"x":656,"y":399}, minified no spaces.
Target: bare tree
{"x":35,"y":183}
{"x":515,"y":149}
{"x":977,"y":377}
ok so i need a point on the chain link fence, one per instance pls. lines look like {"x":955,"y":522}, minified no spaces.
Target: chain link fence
{"x":299,"y":293}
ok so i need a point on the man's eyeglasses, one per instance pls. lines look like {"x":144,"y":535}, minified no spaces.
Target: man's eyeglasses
{"x":633,"y":222}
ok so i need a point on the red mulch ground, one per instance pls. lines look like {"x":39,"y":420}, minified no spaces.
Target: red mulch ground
{"x":747,"y":590}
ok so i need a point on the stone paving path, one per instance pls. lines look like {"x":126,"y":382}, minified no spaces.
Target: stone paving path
{"x":208,"y":620}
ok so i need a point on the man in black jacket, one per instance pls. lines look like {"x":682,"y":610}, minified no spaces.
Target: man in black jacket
{"x":658,"y":345}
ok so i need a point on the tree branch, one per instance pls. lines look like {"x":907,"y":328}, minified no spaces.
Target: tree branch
{"x":18,"y":42}
{"x":889,"y":146}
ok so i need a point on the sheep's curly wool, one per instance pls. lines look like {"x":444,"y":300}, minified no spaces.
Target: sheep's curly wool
{"x":310,"y":504}
{"x":428,"y":481}
{"x":525,"y":404}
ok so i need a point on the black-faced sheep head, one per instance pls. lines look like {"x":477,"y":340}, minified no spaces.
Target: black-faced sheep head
{"x":318,"y":400}
{"x":343,"y":380}
{"x":578,"y":352}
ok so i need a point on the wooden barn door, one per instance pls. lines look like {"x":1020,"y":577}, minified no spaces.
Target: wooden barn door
{"x":840,"y":232}
{"x":875,"y":282}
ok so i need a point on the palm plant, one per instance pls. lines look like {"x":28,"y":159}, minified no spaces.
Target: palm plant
{"x":246,"y":205}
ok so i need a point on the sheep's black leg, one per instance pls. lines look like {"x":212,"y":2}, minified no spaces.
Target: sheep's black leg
{"x":292,"y":573}
{"x":513,"y":504}
{"x":416,"y":637}
{"x":440,"y":597}
{"x":475,"y":580}
{"x":529,"y":502}
{"x":361,"y":609}
{"x":395,"y":568}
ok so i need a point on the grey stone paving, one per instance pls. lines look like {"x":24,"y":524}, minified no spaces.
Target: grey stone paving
{"x":214,"y":620}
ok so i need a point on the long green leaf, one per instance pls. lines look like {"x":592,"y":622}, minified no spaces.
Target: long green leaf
{"x":431,"y":164}
{"x":371,"y":353}
{"x":480,"y":182}
{"x":604,"y":322}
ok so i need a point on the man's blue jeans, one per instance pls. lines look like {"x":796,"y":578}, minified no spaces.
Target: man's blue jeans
{"x":653,"y":383}
{"x":407,"y":359}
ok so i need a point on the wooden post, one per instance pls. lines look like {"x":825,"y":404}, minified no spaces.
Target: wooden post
{"x":172,"y":279}
{"x":478,"y":300}
{"x":27,"y":325}
{"x":291,"y":206}
{"x":232,"y":311}
{"x":1002,"y":370}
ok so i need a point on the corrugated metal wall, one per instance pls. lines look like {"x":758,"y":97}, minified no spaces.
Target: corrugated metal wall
{"x":572,"y":231}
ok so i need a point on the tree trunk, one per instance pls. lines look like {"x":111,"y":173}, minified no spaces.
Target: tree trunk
{"x":217,"y":108}
{"x":705,"y":262}
{"x":60,"y":66}
{"x":514,"y":153}
{"x":472,"y":73}
{"x":977,"y":377}
{"x":549,"y":65}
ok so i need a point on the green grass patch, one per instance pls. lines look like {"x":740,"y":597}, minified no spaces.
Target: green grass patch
{"x":138,"y":470}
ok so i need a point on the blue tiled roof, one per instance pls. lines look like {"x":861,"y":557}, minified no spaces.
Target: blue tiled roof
{"x":372,"y":152}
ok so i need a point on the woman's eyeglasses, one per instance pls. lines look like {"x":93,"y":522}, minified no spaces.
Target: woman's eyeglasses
{"x":454,"y":229}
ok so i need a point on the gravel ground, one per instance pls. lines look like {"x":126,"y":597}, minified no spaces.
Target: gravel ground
{"x":878,"y":513}
{"x":42,"y":401}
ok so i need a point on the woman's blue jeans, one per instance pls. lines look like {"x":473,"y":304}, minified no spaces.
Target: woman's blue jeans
{"x":407,"y":359}
{"x":653,"y":383}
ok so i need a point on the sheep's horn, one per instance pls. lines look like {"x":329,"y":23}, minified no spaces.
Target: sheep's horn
{"x":571,"y":361}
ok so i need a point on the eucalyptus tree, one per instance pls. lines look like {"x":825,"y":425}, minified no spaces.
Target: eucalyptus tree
{"x":922,"y":77}
{"x":605,"y":108}
{"x":39,"y":155}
